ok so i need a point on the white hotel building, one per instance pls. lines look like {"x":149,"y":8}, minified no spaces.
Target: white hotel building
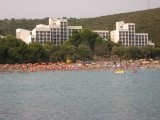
{"x":56,"y":32}
{"x":126,"y":34}
{"x":104,"y":34}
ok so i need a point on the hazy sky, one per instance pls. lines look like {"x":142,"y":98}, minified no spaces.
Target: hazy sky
{"x":70,"y":8}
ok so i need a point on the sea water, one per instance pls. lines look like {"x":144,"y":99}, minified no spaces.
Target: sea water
{"x":80,"y":95}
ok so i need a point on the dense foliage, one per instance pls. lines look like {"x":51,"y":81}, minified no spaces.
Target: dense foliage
{"x":8,"y":27}
{"x":82,"y":46}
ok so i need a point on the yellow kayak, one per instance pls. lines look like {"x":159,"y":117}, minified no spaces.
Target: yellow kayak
{"x":119,"y":71}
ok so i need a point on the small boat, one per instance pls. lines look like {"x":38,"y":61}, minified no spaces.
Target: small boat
{"x":119,"y":71}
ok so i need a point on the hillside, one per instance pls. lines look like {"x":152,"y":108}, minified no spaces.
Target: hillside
{"x":146,"y":21}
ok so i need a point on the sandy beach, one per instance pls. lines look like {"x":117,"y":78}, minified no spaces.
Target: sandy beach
{"x":100,"y":65}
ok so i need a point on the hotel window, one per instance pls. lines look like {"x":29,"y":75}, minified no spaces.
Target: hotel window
{"x":65,"y":24}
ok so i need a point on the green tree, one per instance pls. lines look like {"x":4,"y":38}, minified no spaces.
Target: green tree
{"x":100,"y":47}
{"x":49,"y":49}
{"x":110,"y":44}
{"x":133,"y":52}
{"x":68,"y":51}
{"x":57,"y":56}
{"x":65,"y":51}
{"x":89,"y":37}
{"x":35,"y":53}
{"x":12,"y":49}
{"x":115,"y":50}
{"x":85,"y":53}
{"x":3,"y":54}
{"x":156,"y":52}
{"x":147,"y":52}
{"x":13,"y":56}
{"x":75,"y":39}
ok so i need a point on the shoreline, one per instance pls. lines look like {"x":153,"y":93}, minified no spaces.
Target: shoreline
{"x":99,"y":65}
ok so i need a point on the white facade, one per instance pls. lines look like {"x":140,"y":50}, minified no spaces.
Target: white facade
{"x":141,"y":39}
{"x":104,"y":34}
{"x":126,"y":34}
{"x":23,"y":34}
{"x":73,"y":28}
{"x":56,"y":32}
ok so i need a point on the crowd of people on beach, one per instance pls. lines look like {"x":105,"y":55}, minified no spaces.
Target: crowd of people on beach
{"x":100,"y":65}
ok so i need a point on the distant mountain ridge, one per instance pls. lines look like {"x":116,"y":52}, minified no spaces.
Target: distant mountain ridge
{"x":146,"y":21}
